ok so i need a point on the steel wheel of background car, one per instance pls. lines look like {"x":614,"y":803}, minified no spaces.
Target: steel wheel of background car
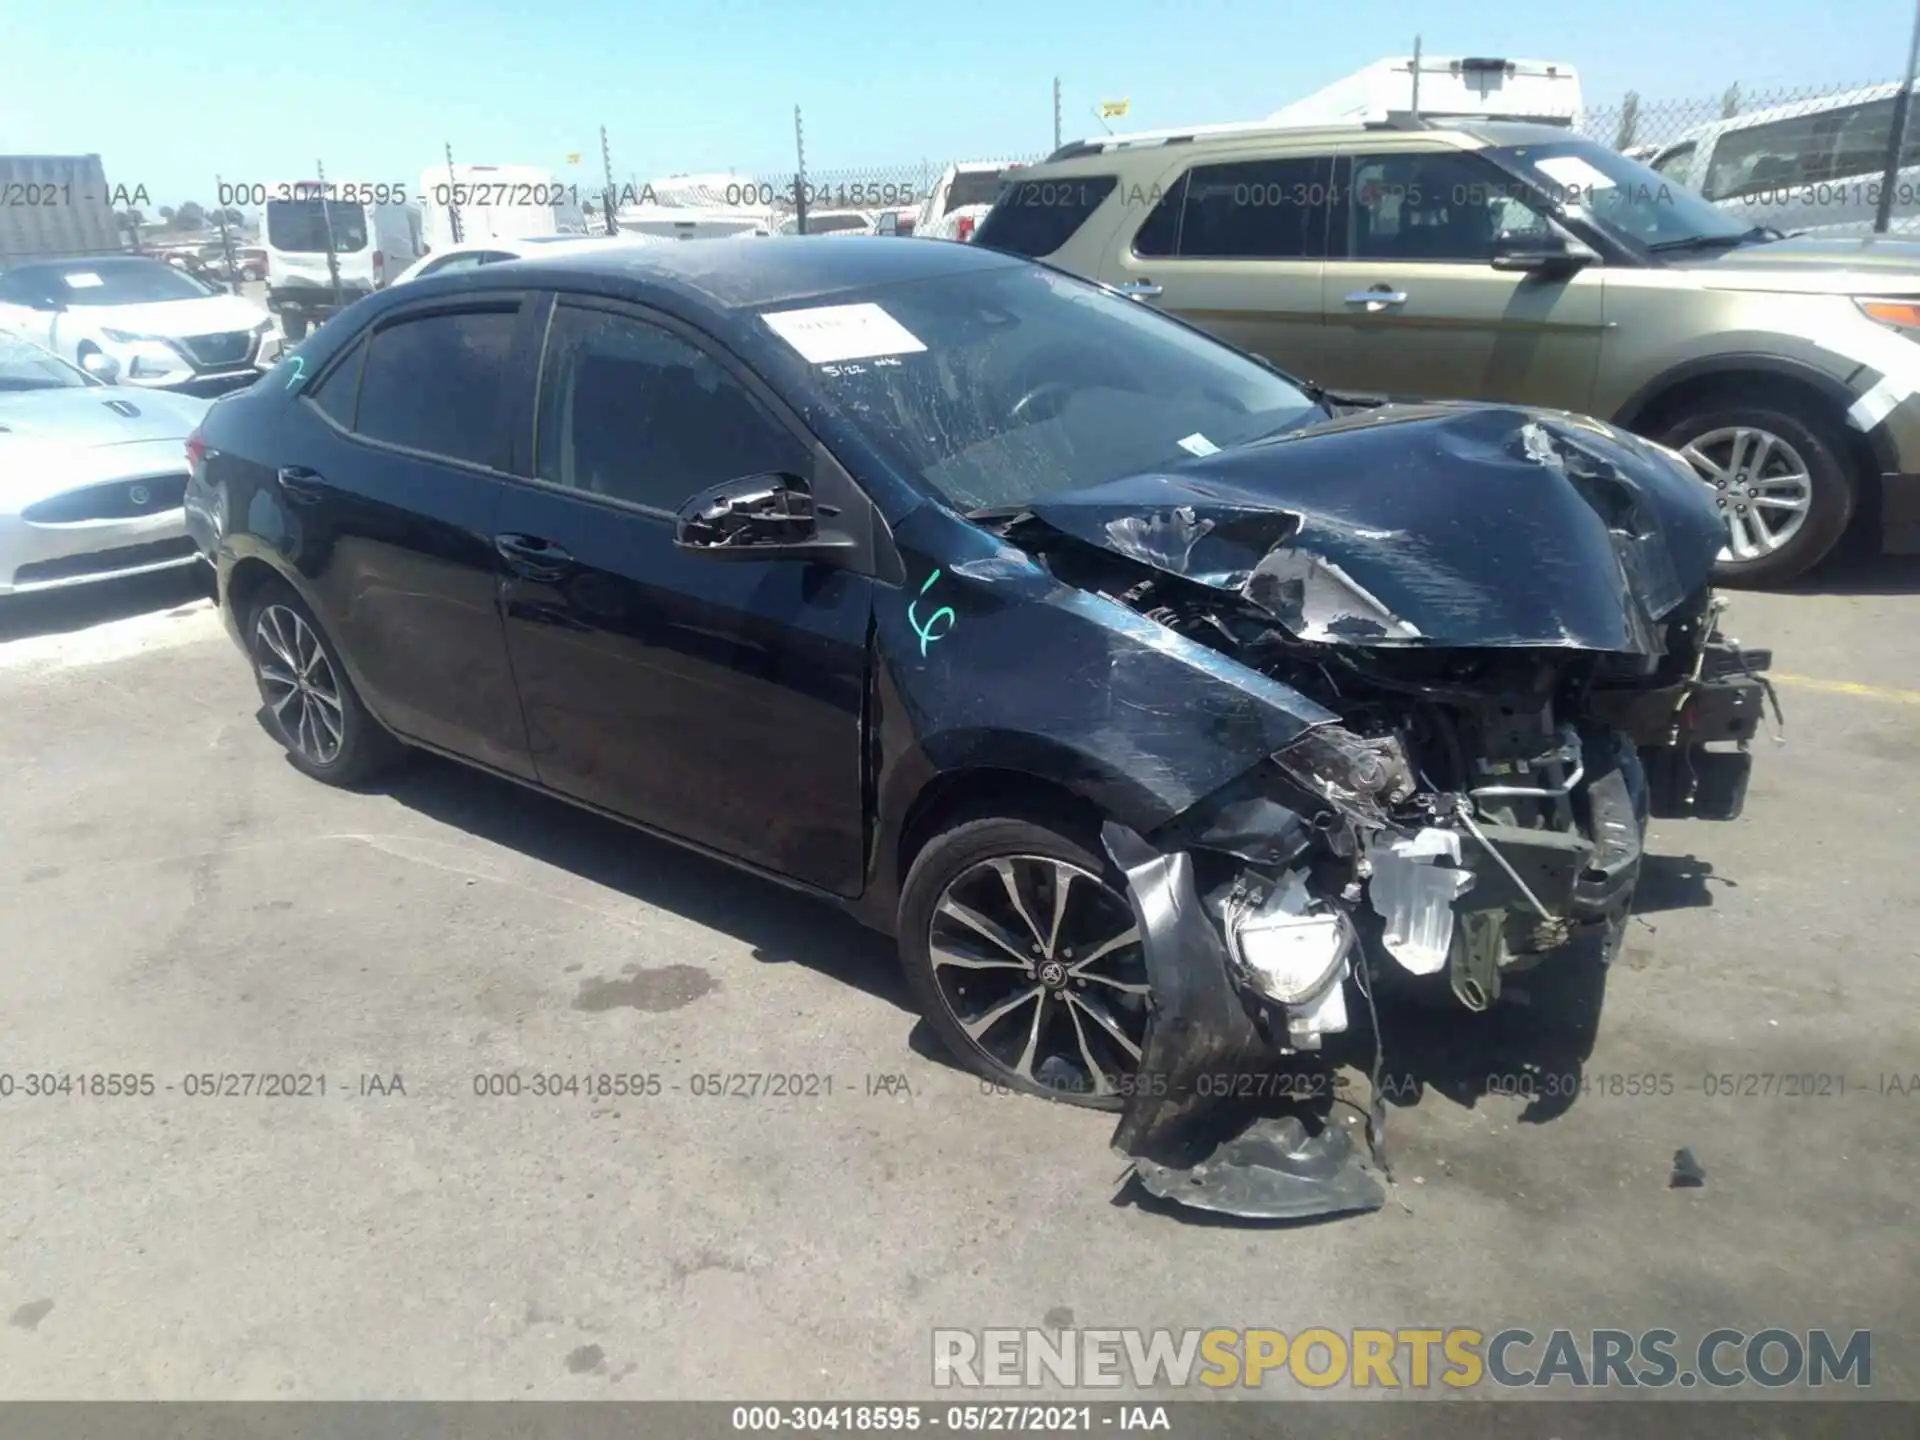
{"x":311,"y":704}
{"x":1778,"y":476}
{"x":1021,"y":948}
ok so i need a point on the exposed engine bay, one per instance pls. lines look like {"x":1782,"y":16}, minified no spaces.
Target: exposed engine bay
{"x":1478,"y":810}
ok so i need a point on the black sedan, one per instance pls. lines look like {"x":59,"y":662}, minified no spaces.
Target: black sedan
{"x":1157,"y":702}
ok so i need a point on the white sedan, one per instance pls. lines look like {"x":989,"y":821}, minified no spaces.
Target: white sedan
{"x":136,"y":321}
{"x":92,"y":477}
{"x":496,"y":248}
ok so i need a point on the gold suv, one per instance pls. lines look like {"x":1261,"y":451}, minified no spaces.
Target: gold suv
{"x":1522,"y":263}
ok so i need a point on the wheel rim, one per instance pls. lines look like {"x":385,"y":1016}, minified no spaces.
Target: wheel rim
{"x":298,"y":682}
{"x":1761,"y":484}
{"x":1040,"y":964}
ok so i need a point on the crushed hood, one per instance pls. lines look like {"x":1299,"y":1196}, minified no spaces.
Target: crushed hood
{"x":1425,"y":525}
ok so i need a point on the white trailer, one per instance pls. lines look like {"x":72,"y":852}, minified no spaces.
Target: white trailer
{"x":1444,"y":87}
{"x":496,"y":202}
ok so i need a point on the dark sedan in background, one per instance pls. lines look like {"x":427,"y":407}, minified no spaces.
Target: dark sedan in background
{"x":1153,"y":701}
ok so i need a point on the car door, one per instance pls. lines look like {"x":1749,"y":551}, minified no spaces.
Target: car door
{"x":1414,"y":305}
{"x":717,"y":701}
{"x":1235,"y":248}
{"x":390,"y":471}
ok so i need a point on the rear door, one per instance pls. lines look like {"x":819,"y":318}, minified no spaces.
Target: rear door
{"x":1236,"y":248}
{"x":1414,"y":305}
{"x":385,"y":489}
{"x":718,"y":701}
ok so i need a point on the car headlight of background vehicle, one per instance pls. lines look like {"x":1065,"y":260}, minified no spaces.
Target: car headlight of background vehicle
{"x":1903,"y":315}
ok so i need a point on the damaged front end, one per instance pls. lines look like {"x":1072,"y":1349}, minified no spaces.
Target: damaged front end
{"x":1478,"y":810}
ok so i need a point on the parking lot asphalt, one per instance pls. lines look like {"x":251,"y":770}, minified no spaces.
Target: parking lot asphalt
{"x":179,"y":901}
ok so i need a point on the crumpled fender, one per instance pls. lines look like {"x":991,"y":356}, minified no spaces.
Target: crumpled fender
{"x":998,"y":664}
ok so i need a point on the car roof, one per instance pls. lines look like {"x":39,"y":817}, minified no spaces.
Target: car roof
{"x":731,"y":276}
{"x":87,"y":262}
{"x":1239,"y":133}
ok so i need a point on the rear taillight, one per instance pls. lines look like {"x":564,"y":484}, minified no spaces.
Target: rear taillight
{"x":964,"y":227}
{"x":197,"y":454}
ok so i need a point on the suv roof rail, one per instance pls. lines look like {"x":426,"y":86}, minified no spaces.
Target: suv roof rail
{"x":1186,"y":135}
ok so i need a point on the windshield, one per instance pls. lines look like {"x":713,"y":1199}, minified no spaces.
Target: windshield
{"x":300,"y":226}
{"x":24,"y":366}
{"x":1031,"y":382}
{"x":1622,"y":196}
{"x":127,"y":282}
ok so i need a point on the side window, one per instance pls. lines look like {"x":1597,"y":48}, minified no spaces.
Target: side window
{"x":1800,"y":150}
{"x":435,"y":383}
{"x":339,"y":388}
{"x":1253,"y":210}
{"x":1676,"y":162}
{"x":1438,"y":207}
{"x":632,"y":412}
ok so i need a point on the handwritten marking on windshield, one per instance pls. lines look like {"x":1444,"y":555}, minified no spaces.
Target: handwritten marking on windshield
{"x":926,"y":631}
{"x":299,"y":363}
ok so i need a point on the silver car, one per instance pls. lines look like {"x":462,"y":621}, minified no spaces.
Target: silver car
{"x":92,"y":476}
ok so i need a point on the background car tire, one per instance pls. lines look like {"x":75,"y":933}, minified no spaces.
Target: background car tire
{"x":364,"y":747}
{"x":1821,"y":444}
{"x":948,"y":857}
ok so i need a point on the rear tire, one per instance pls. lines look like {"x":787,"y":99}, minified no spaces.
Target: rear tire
{"x":311,"y":705}
{"x":1796,"y":437}
{"x":1051,"y":1008}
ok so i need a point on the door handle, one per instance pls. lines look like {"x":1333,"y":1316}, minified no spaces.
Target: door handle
{"x":303,"y":486}
{"x":533,"y":557}
{"x":1137,"y":289}
{"x":1377,"y":299}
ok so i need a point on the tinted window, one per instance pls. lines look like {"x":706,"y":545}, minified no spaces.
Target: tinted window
{"x":976,"y":187}
{"x":1036,"y":217}
{"x":340,"y":387}
{"x":1430,"y":207}
{"x":1255,"y":210}
{"x":632,"y":412}
{"x":1805,"y":149}
{"x":470,"y":261}
{"x":434,"y":384}
{"x":300,"y":226}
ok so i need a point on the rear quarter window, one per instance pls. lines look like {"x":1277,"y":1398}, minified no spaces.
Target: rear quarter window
{"x":1034,"y":218}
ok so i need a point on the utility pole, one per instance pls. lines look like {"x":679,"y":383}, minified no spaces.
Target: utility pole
{"x":1897,"y":134}
{"x":226,"y":241}
{"x":1416,"y":79}
{"x":799,"y":175}
{"x":453,"y":196}
{"x":1056,"y":112}
{"x":333,"y":248}
{"x":606,"y":161}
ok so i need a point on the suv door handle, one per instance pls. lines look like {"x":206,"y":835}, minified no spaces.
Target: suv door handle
{"x":303,"y":486}
{"x":533,"y":557}
{"x":1377,"y":298}
{"x":1137,"y":289}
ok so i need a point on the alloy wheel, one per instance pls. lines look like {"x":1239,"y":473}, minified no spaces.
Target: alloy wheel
{"x":1761,"y":484}
{"x":298,"y":682}
{"x":1040,"y":963}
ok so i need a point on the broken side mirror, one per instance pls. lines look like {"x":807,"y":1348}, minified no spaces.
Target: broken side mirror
{"x":756,"y":517}
{"x":1550,"y":256}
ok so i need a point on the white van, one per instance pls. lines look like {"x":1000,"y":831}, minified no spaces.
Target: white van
{"x":495,"y":202}
{"x":1812,"y":167}
{"x":1451,"y":87}
{"x":375,"y":234}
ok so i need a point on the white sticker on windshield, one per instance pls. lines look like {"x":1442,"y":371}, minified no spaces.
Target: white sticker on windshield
{"x":1198,"y":444}
{"x":1574,"y":171}
{"x":827,"y":334}
{"x":82,"y":280}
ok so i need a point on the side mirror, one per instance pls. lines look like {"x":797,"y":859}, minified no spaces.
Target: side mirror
{"x":757,"y":517}
{"x":101,"y":366}
{"x":1549,"y":256}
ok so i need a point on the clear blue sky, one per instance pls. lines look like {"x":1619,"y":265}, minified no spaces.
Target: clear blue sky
{"x":169,"y":95}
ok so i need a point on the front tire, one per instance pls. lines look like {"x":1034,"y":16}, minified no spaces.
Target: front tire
{"x":1780,"y":475}
{"x":1020,"y":947}
{"x":311,"y":705}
